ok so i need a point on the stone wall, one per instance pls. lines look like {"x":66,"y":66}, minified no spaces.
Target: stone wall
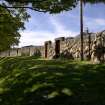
{"x":24,"y":51}
{"x":69,"y":47}
{"x":94,"y":47}
{"x":5,"y":53}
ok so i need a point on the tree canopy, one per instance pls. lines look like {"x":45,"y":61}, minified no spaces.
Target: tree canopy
{"x":51,"y":6}
{"x":11,"y":22}
{"x":13,"y":13}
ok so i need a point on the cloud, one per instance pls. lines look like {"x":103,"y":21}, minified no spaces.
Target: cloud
{"x":34,"y":38}
{"x":43,"y":27}
{"x":94,"y":24}
{"x":60,"y":28}
{"x":38,"y":38}
{"x":100,"y":21}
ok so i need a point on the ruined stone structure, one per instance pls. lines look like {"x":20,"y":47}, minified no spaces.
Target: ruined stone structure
{"x":94,"y":48}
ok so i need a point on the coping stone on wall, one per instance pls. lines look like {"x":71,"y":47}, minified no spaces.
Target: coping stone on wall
{"x":69,"y":38}
{"x":60,"y":39}
{"x":48,"y":42}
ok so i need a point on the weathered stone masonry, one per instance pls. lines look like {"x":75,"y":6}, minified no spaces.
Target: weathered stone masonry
{"x":24,"y":51}
{"x":94,"y":45}
{"x":66,"y":47}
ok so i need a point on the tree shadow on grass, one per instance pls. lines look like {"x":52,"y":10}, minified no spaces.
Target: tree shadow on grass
{"x":39,"y":82}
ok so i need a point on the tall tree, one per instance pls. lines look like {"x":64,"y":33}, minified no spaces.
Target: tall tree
{"x":13,"y":13}
{"x":11,"y":22}
{"x":81,"y":29}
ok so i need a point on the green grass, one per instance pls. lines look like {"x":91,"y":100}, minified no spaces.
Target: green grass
{"x":30,"y":81}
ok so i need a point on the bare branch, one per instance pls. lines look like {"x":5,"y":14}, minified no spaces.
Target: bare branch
{"x":7,"y":7}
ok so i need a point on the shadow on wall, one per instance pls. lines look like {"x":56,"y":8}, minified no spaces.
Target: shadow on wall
{"x":64,"y":55}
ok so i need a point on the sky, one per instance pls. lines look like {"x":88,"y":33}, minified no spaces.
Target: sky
{"x":42,"y":27}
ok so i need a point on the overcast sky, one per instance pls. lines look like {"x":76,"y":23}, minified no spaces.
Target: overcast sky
{"x":43,"y":26}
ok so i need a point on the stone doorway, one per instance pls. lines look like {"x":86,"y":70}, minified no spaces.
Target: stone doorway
{"x":46,"y":50}
{"x":17,"y":52}
{"x":47,"y":46}
{"x":57,"y":48}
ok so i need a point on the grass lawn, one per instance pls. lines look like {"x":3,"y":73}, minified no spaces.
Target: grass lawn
{"x":30,"y":81}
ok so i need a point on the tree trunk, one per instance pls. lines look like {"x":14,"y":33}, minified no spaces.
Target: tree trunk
{"x":81,"y":28}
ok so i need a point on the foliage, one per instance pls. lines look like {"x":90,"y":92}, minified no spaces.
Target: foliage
{"x":51,"y":6}
{"x":11,"y":22}
{"x":37,"y":54}
{"x":10,"y":35}
{"x":27,"y":81}
{"x":9,"y":27}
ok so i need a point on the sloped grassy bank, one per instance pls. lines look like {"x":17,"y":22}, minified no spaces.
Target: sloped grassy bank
{"x":30,"y":81}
